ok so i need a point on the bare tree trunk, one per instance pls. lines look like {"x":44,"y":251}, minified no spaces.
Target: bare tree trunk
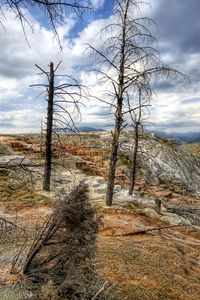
{"x":130,"y":54}
{"x":41,"y":136}
{"x":134,"y":162}
{"x":69,"y":93}
{"x":113,"y":158}
{"x":118,"y":115}
{"x":48,"y":143}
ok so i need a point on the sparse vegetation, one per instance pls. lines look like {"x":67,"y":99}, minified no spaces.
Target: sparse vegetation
{"x":15,"y":194}
{"x":63,"y":249}
{"x":118,"y":225}
{"x":97,"y":215}
{"x":194,"y":148}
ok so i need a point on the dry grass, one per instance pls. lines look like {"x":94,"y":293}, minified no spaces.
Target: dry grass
{"x":194,"y":147}
{"x":140,"y":267}
{"x":151,"y":267}
{"x":59,"y":262}
{"x":14,"y":193}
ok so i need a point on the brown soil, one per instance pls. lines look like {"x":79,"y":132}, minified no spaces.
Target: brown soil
{"x":158,"y":265}
{"x":151,"y":266}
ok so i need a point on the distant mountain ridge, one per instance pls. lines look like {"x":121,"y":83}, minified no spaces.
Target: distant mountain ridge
{"x":181,"y":138}
{"x":82,"y":129}
{"x":88,"y":128}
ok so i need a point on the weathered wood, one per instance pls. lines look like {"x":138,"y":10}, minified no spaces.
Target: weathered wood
{"x":144,"y":231}
{"x":134,"y":161}
{"x":118,"y":115}
{"x":113,"y":161}
{"x":48,"y":143}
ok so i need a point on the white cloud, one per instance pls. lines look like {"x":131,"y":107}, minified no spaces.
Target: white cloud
{"x":19,"y":121}
{"x":97,"y":3}
{"x":168,"y":113}
{"x":18,"y":71}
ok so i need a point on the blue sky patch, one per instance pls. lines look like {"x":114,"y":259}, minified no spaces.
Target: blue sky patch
{"x":189,"y":101}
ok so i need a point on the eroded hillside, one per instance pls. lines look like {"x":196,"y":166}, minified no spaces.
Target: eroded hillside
{"x":142,"y":253}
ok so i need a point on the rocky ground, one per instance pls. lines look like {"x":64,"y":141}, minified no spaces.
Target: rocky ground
{"x":138,"y":262}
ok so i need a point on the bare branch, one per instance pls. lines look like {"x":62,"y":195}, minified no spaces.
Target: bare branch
{"x":53,"y":10}
{"x":129,"y":61}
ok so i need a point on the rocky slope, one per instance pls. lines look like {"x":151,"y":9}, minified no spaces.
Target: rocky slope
{"x":168,"y":163}
{"x":137,"y":261}
{"x":161,"y":161}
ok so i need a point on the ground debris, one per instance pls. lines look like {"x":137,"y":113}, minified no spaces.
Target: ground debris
{"x":59,"y":262}
{"x":190,"y":213}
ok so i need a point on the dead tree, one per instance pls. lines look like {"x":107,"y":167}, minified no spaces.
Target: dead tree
{"x":137,"y":120}
{"x":48,"y":143}
{"x":53,"y":10}
{"x":64,"y":247}
{"x":136,"y":124}
{"x":62,"y":99}
{"x":128,"y":58}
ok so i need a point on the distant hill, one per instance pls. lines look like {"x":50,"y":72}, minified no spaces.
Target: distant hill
{"x":88,"y":128}
{"x":181,"y":138}
{"x":82,"y":129}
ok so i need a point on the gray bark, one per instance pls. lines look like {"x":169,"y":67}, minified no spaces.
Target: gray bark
{"x":48,"y":143}
{"x":118,"y":115}
{"x":134,"y":162}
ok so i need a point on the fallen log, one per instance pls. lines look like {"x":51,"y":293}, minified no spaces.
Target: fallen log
{"x":144,"y":231}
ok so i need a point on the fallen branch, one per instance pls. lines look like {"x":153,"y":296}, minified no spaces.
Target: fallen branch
{"x":64,"y":247}
{"x":143,"y":231}
{"x":4,"y":223}
{"x":100,"y":291}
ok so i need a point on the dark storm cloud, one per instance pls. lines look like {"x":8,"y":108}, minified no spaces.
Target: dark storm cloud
{"x":179,"y":44}
{"x":164,"y":85}
{"x":179,"y":22}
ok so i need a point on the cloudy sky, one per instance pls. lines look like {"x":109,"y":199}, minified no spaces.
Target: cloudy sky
{"x":175,"y":107}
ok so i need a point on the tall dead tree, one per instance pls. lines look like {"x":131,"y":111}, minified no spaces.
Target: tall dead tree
{"x":137,"y":120}
{"x":63,"y":100}
{"x":49,"y":130}
{"x":128,"y":61}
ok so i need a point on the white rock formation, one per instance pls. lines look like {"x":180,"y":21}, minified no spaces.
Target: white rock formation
{"x":168,"y":163}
